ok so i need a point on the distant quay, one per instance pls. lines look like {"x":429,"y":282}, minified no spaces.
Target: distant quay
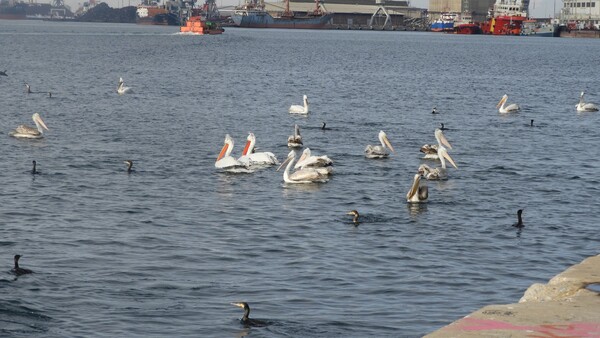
{"x":567,"y":306}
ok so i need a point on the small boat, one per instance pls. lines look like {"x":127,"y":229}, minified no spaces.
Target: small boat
{"x":196,"y":25}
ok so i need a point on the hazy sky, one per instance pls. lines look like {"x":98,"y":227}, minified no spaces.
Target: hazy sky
{"x":537,"y":8}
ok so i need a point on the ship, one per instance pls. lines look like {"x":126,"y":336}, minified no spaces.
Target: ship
{"x":506,"y":17}
{"x":445,"y":23}
{"x":196,"y":25}
{"x":150,"y":13}
{"x":253,"y":15}
{"x":12,"y":10}
{"x":540,"y":29}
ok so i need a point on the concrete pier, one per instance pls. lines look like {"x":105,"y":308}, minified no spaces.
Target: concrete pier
{"x":567,"y":306}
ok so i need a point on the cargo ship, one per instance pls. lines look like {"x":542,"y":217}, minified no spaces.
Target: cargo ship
{"x":540,"y":29}
{"x":13,"y":10}
{"x":506,"y":17}
{"x":150,"y":13}
{"x":253,"y":15}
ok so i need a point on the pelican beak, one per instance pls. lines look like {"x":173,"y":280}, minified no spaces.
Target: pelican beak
{"x":39,"y":119}
{"x":447,"y":156}
{"x":387,"y":143}
{"x":245,"y":152}
{"x":414,"y":187}
{"x":223,"y":151}
{"x":444,"y":141}
{"x":302,"y":157}
{"x":285,"y":162}
{"x":502,"y":100}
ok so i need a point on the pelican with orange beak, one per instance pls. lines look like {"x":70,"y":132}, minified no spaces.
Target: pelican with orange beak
{"x":225,"y":160}
{"x":382,"y":150}
{"x":249,"y":157}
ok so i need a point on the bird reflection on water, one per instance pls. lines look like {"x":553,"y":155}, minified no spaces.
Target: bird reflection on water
{"x":415,"y":209}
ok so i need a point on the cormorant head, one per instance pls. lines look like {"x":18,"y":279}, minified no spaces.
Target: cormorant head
{"x":17,"y":257}
{"x":355,"y":214}
{"x":129,"y":164}
{"x":243,"y":305}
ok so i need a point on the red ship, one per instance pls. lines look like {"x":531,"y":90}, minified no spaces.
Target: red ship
{"x":506,"y":17}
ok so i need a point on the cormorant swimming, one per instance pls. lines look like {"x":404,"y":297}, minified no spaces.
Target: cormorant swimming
{"x":356,"y":216}
{"x":28,"y":88}
{"x":17,"y":270}
{"x":443,"y":128}
{"x":49,"y":94}
{"x":3,"y":73}
{"x":34,"y":170}
{"x":245,"y":319}
{"x":129,"y":166}
{"x":531,"y":123}
{"x":434,"y":111}
{"x":324,"y":127}
{"x":519,"y":223}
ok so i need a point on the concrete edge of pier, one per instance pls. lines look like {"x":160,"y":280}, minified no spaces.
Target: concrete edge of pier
{"x":567,"y":306}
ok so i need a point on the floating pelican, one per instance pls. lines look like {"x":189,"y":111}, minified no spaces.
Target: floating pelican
{"x":418,"y":191}
{"x":431,"y":174}
{"x":296,"y":109}
{"x":24,"y":131}
{"x":430,"y":151}
{"x":249,"y":157}
{"x":382,"y":150}
{"x":295,"y":141}
{"x":322,"y":164}
{"x":121,"y":89}
{"x":306,"y":175}
{"x":225,"y":160}
{"x":511,"y":108}
{"x":581,"y":106}
{"x":442,"y":152}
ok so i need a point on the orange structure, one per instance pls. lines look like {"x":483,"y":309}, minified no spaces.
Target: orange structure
{"x":195,"y":25}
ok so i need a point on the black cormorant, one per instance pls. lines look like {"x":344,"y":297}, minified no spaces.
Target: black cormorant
{"x":245,"y":319}
{"x":323,"y":127}
{"x":519,"y":223}
{"x":129,"y":165}
{"x":34,"y":169}
{"x":442,"y":127}
{"x":531,"y":124}
{"x":3,"y":73}
{"x":28,"y":87}
{"x":356,"y":216}
{"x":434,"y":111}
{"x":17,"y":270}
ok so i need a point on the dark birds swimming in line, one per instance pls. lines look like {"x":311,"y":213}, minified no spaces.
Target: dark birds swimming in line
{"x":245,"y":319}
{"x":129,"y":166}
{"x":355,"y":218}
{"x":34,"y":169}
{"x":442,"y":127}
{"x":434,"y":111}
{"x":18,"y":270}
{"x":519,"y":223}
{"x":3,"y":73}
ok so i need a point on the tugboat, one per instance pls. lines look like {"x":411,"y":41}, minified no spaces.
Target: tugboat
{"x":506,"y":17}
{"x":196,"y":25}
{"x":202,"y":20}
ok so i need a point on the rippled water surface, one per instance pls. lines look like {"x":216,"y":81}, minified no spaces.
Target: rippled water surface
{"x":163,"y":251}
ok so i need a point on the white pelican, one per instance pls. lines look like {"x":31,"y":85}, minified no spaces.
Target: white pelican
{"x":24,"y":131}
{"x":511,"y":108}
{"x":249,"y":157}
{"x":581,"y":106}
{"x":225,"y":160}
{"x":430,"y":151}
{"x":296,"y":109}
{"x":322,"y":164}
{"x":121,"y":89}
{"x":431,"y":174}
{"x":306,"y":175}
{"x":418,"y":191}
{"x":295,"y":141}
{"x":379,"y":151}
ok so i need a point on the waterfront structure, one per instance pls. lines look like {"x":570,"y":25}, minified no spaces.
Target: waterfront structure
{"x":581,"y":14}
{"x":476,"y":9}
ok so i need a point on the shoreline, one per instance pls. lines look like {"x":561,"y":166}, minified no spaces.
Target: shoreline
{"x":567,"y":306}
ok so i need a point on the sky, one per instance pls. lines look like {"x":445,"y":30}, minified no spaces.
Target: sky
{"x":537,"y":8}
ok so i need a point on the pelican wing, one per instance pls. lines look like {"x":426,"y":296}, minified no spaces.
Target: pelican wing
{"x":23,"y":129}
{"x":307,"y":175}
{"x":430,"y":149}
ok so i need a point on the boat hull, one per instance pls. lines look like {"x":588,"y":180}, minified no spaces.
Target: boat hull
{"x":504,"y":25}
{"x":265,"y":20}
